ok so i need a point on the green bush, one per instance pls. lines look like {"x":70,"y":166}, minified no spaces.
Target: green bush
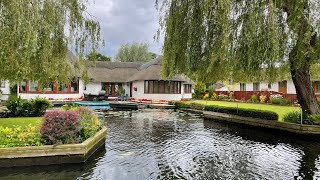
{"x":292,"y":117}
{"x":280,"y":101}
{"x":13,"y":137}
{"x":180,"y":105}
{"x":90,"y":124}
{"x":314,"y":119}
{"x":210,"y":91}
{"x":261,"y":114}
{"x":196,"y":106}
{"x":18,"y":107}
{"x":254,"y":98}
{"x":199,"y":89}
{"x":39,"y":106}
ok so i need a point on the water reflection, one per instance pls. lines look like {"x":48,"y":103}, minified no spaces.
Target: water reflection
{"x":164,"y":144}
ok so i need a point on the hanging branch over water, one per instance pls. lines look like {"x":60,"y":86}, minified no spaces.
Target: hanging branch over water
{"x":243,"y":40}
{"x":35,"y":38}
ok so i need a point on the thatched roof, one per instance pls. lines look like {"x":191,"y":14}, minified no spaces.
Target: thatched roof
{"x":112,"y":71}
{"x":129,"y":71}
{"x":152,"y":71}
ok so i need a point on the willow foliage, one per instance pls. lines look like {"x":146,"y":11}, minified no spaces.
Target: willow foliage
{"x":243,"y":40}
{"x":35,"y":37}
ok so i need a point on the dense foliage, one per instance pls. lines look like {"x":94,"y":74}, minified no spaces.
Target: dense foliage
{"x":17,"y":136}
{"x":261,"y":114}
{"x":35,"y":37}
{"x":135,"y":52}
{"x":18,"y":107}
{"x":60,"y":127}
{"x":295,"y":117}
{"x":98,"y":57}
{"x":243,"y":40}
{"x":199,"y":90}
{"x":69,"y":126}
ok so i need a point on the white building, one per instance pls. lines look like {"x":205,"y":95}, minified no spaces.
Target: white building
{"x":140,"y":81}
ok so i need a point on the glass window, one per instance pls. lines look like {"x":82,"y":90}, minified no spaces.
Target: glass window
{"x":269,"y":86}
{"x":33,"y":86}
{"x":116,"y":88}
{"x":146,"y":86}
{"x":103,"y":86}
{"x":167,"y":87}
{"x":243,"y":87}
{"x":74,"y":86}
{"x":23,"y":86}
{"x":162,"y":87}
{"x":187,"y":88}
{"x":47,"y":87}
{"x":156,"y":87}
{"x":63,"y":88}
{"x":256,"y":86}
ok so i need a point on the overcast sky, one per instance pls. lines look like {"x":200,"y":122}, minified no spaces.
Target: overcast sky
{"x":126,"y":21}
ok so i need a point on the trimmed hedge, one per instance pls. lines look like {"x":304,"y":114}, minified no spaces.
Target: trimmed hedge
{"x":254,"y":113}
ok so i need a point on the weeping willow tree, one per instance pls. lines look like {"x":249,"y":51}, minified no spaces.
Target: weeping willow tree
{"x":243,"y":40}
{"x":35,"y":37}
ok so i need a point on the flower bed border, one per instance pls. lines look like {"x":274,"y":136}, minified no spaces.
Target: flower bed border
{"x":52,"y":154}
{"x":276,"y":125}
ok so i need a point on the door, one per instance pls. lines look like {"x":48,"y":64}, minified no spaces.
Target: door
{"x":283,"y":87}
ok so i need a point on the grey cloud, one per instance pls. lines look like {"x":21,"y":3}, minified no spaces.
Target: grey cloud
{"x":126,"y":21}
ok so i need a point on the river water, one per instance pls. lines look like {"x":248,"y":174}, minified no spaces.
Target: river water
{"x":167,"y":144}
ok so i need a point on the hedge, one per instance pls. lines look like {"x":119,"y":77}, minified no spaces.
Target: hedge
{"x":253,"y":113}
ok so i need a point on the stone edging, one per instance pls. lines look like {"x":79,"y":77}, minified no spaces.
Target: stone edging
{"x":52,"y":154}
{"x":283,"y":126}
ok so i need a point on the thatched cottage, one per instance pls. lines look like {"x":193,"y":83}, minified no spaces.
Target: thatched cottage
{"x":139,"y":81}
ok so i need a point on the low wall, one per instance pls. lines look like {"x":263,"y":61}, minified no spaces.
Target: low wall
{"x":283,"y":126}
{"x":52,"y":154}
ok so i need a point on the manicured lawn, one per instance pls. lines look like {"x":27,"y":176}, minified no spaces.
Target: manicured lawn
{"x":280,"y":110}
{"x":21,"y":121}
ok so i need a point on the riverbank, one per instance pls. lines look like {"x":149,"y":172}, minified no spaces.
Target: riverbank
{"x":280,"y":110}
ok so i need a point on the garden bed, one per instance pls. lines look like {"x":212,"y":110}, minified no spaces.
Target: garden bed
{"x":52,"y":154}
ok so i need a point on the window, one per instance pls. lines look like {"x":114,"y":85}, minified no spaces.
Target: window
{"x":48,"y":87}
{"x":317,"y":86}
{"x":63,"y":88}
{"x":74,"y":86}
{"x":103,"y":86}
{"x":33,"y":86}
{"x":23,"y":86}
{"x":269,"y":86}
{"x":187,"y":88}
{"x":162,"y":87}
{"x":243,"y":87}
{"x":256,"y":86}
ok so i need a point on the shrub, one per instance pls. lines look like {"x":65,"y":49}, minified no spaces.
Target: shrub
{"x":292,"y":117}
{"x":206,"y":97}
{"x":90,"y":125}
{"x":210,"y":91}
{"x":199,"y":89}
{"x":254,"y":98}
{"x":223,"y":97}
{"x":18,"y":107}
{"x":261,"y":114}
{"x":39,"y":106}
{"x":280,"y":101}
{"x":214,"y":97}
{"x":60,"y":127}
{"x":13,"y":137}
{"x":180,"y":105}
{"x":314,"y":119}
{"x":196,"y":106}
{"x":263,"y":99}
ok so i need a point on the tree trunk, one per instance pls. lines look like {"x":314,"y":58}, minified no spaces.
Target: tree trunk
{"x":304,"y":90}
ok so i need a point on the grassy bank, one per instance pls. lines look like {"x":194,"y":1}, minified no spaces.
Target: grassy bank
{"x":280,"y":110}
{"x":21,"y":121}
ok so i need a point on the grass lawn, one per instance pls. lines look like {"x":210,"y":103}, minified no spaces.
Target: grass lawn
{"x":21,"y":121}
{"x":280,"y":110}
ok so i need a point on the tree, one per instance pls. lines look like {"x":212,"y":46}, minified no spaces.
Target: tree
{"x":98,"y":57}
{"x":35,"y":38}
{"x":135,"y":52}
{"x":243,"y":40}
